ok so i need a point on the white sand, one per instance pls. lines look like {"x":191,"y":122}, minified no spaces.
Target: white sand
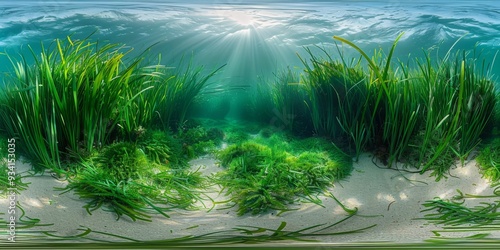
{"x":382,"y":196}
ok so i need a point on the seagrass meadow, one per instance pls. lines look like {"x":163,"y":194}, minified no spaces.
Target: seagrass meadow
{"x":264,"y":124}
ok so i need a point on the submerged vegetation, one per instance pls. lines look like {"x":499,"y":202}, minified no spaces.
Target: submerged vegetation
{"x":434,"y":111}
{"x":85,"y":111}
{"x":123,"y":161}
{"x":80,"y":95}
{"x":489,"y":160}
{"x":10,"y":180}
{"x":119,"y":129}
{"x":265,"y":174}
{"x":122,"y":178}
{"x":286,"y":97}
{"x":458,"y":215}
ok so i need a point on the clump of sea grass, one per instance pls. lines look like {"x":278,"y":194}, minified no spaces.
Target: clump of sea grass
{"x":262,"y":175}
{"x":489,"y":160}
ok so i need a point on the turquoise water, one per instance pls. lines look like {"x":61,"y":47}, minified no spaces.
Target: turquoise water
{"x":255,"y":39}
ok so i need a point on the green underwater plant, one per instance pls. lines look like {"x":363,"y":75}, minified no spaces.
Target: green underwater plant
{"x":123,"y":161}
{"x":198,"y":140}
{"x":10,"y":180}
{"x":456,"y":216}
{"x":244,"y":158}
{"x":290,"y":110}
{"x":80,"y":95}
{"x":333,"y":87}
{"x":123,"y":197}
{"x":489,"y":160}
{"x":179,"y":92}
{"x":244,"y":234}
{"x":260,"y":102}
{"x":386,"y":108}
{"x":357,"y":107}
{"x":175,"y":149}
{"x":181,"y":188}
{"x":459,"y":107}
{"x":157,"y":147}
{"x":332,"y":158}
{"x":165,"y":148}
{"x":391,"y":103}
{"x":167,"y":98}
{"x":236,"y":136}
{"x":124,"y":179}
{"x":479,"y":103}
{"x":489,"y":154}
{"x":260,"y":176}
{"x":68,"y":99}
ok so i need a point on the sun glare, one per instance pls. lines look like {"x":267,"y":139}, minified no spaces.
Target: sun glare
{"x":241,"y":18}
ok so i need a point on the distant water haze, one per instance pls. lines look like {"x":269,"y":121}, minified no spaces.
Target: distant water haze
{"x":255,"y":39}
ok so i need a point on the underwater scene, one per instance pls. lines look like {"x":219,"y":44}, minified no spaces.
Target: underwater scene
{"x":228,"y":123}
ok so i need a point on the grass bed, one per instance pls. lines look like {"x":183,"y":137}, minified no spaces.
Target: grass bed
{"x":80,"y":95}
{"x":267,"y":174}
{"x":83,"y":103}
{"x":489,"y":160}
{"x":437,"y":111}
{"x":454,"y":216}
{"x":137,"y":180}
{"x":85,"y":110}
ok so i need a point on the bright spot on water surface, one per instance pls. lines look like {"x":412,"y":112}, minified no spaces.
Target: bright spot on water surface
{"x":240,"y":17}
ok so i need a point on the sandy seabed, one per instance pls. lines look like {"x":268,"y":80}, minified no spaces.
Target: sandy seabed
{"x":389,"y":199}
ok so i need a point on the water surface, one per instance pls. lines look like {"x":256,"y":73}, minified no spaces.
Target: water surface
{"x":254,"y":38}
